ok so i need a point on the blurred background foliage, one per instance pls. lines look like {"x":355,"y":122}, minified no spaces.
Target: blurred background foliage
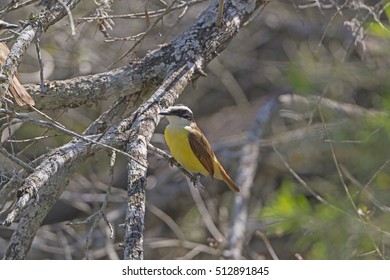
{"x":322,"y":186}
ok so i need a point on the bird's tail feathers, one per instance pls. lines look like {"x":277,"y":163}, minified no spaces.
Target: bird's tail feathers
{"x":225,"y":177}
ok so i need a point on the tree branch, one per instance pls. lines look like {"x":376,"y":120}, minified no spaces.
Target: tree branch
{"x":144,"y":124}
{"x":246,"y":174}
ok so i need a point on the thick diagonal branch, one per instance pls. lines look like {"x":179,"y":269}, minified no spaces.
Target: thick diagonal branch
{"x":140,"y":134}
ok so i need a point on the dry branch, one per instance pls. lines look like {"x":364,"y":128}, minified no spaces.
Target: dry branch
{"x":246,"y":174}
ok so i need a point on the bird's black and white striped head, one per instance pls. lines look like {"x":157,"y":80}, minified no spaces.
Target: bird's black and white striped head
{"x":178,"y":114}
{"x":180,"y":111}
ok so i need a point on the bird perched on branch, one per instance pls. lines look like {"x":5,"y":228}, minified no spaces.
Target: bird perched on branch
{"x":17,"y":91}
{"x":189,"y":146}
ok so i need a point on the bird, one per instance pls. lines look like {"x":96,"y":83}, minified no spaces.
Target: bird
{"x":189,"y":146}
{"x":17,"y":91}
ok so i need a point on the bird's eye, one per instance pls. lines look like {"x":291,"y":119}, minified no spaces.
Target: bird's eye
{"x":186,"y":115}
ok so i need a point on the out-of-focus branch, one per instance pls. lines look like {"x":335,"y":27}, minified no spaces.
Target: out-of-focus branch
{"x":246,"y":173}
{"x":313,"y":101}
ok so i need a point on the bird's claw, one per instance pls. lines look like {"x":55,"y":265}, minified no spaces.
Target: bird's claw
{"x":195,"y":180}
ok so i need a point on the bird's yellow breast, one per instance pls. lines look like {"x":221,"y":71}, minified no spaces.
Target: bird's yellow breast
{"x":178,"y":144}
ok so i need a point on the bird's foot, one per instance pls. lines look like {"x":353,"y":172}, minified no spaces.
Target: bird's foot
{"x":195,"y":180}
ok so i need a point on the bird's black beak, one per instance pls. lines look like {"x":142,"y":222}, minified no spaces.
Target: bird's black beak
{"x":165,"y":113}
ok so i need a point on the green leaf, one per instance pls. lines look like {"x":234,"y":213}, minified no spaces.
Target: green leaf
{"x":379,"y":30}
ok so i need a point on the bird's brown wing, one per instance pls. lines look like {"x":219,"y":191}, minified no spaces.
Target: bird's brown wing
{"x":19,"y":93}
{"x":202,"y":149}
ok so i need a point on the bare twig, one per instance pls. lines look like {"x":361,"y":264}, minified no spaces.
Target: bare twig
{"x":39,"y":55}
{"x":161,"y":243}
{"x":204,"y":213}
{"x":167,"y":220}
{"x":218,"y":22}
{"x":267,"y":244}
{"x":69,"y":12}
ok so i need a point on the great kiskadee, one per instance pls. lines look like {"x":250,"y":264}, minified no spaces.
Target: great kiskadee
{"x":189,"y":146}
{"x":18,"y":92}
